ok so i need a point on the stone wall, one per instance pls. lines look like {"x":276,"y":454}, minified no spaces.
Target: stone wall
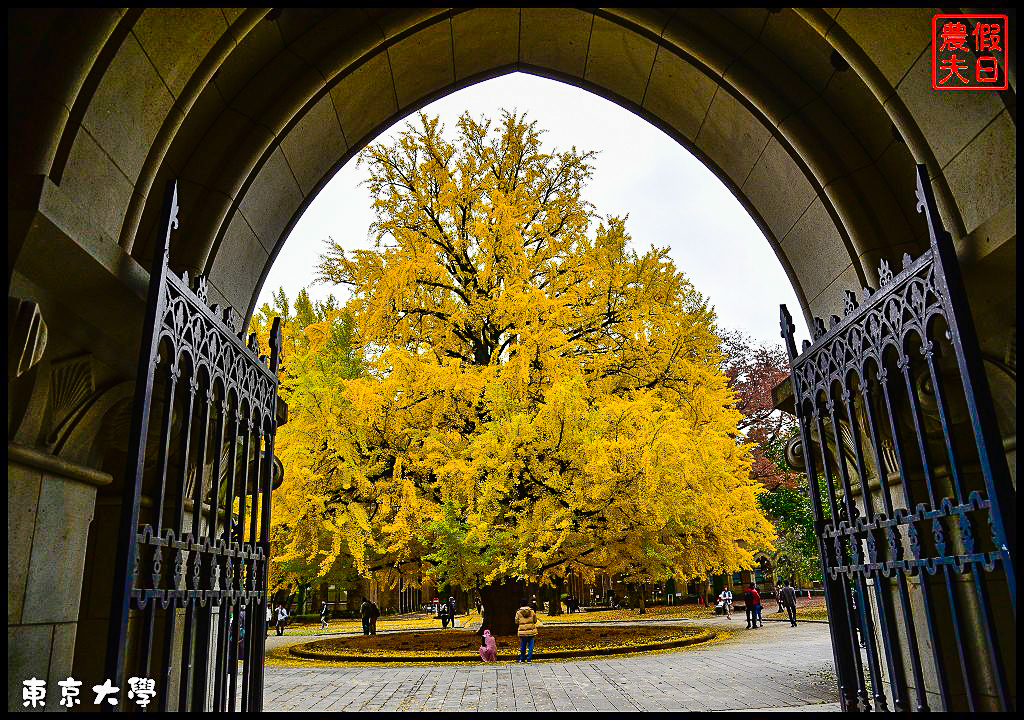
{"x":50,"y":508}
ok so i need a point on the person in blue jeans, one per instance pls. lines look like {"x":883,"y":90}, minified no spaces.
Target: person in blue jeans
{"x":526,"y":619}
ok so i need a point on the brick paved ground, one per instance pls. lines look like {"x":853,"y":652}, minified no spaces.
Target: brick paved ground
{"x":774,"y":666}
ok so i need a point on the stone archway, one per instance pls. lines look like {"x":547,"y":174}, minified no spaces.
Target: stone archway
{"x":253,"y":112}
{"x":813,"y":118}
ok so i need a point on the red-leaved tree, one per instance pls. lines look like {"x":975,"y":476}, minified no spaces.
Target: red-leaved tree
{"x":753,"y":370}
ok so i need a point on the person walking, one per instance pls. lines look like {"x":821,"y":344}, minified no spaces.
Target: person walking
{"x":364,"y":615}
{"x":789,"y":602}
{"x":526,"y":619}
{"x":282,"y":618}
{"x":324,"y":612}
{"x":778,"y":596}
{"x":451,"y":610}
{"x":442,"y":613}
{"x":758,"y":622}
{"x":271,"y":618}
{"x":749,"y":606}
{"x":726,"y":598}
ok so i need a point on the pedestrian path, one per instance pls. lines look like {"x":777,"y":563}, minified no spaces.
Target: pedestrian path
{"x":772,"y":667}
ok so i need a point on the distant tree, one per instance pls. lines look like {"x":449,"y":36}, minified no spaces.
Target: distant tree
{"x":796,"y":544}
{"x":753,"y":370}
{"x":317,"y":357}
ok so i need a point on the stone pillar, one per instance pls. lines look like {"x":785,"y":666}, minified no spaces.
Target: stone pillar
{"x":50,"y":505}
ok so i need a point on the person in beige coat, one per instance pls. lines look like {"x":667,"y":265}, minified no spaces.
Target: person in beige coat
{"x":526,"y":619}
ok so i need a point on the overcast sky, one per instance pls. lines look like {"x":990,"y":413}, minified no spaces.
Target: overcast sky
{"x":671,"y":199}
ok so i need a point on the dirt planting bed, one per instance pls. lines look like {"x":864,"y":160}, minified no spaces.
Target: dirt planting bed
{"x":462,"y":645}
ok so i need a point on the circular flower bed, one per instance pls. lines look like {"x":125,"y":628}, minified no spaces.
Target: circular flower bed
{"x":460,"y":645}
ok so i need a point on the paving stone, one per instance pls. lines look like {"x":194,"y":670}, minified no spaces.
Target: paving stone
{"x":776,"y":667}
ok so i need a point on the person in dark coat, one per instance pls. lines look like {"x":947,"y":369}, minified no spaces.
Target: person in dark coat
{"x":789,"y":602}
{"x":442,"y":613}
{"x":374,"y":614}
{"x":364,"y":614}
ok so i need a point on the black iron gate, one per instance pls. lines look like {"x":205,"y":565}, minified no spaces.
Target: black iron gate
{"x":913,"y":502}
{"x":190,"y":581}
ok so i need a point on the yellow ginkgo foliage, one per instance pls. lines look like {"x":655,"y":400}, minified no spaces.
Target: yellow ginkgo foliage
{"x":538,"y":397}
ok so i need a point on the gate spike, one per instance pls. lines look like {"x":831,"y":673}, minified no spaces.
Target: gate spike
{"x":867,"y":292}
{"x":833,"y":320}
{"x":200,"y":288}
{"x":907,"y":260}
{"x":275,"y":345}
{"x":849,"y":302}
{"x":786,"y":322}
{"x":819,"y":327}
{"x":228,"y":318}
{"x":884,"y":272}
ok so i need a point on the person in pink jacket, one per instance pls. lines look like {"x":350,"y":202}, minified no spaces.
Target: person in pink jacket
{"x":489,"y":649}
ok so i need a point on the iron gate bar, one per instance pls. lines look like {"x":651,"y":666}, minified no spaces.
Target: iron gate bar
{"x":851,"y":514}
{"x":886,"y":612}
{"x":895,"y":554}
{"x":926,"y":590}
{"x":828,"y":377}
{"x":219,"y":575}
{"x":867,"y":624}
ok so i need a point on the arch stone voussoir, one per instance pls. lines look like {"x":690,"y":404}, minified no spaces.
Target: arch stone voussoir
{"x":318,"y":128}
{"x":775,"y":169}
{"x":422,"y":64}
{"x":365,"y":98}
{"x":555,"y":39}
{"x":619,"y":60}
{"x":679,"y":93}
{"x":732,"y":137}
{"x":484,"y":38}
{"x":271,"y":199}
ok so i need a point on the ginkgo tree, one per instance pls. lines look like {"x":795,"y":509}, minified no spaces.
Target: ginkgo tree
{"x":318,"y":356}
{"x":538,"y":399}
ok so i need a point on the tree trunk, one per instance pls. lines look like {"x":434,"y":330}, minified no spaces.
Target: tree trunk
{"x":643,"y":591}
{"x":501,"y":600}
{"x":555,"y":606}
{"x":635,"y":592}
